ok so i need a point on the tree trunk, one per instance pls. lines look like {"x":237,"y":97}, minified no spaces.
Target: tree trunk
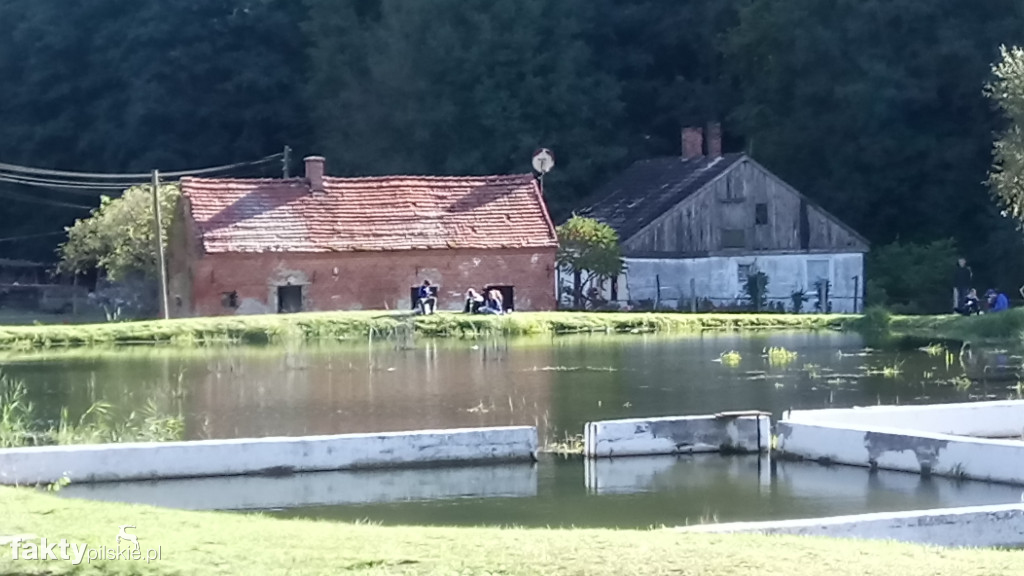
{"x":577,"y":289}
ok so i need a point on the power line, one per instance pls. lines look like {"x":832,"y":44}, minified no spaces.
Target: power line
{"x":31,"y":236}
{"x":22,"y":198}
{"x":47,"y":183}
{"x":140,"y":176}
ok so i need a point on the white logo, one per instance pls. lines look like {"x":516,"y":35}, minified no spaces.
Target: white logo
{"x":28,"y":547}
{"x":122,"y":535}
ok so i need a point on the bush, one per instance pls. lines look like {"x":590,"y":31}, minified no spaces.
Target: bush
{"x":912,"y":278}
{"x":875,"y":321}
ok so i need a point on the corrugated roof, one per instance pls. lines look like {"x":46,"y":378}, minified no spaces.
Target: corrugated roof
{"x":649,"y":188}
{"x":365,"y":214}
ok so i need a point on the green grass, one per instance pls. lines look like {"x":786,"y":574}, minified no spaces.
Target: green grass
{"x":365,"y":325}
{"x":223,"y":543}
{"x":100,"y":423}
{"x":327,"y":326}
{"x":1000,"y":326}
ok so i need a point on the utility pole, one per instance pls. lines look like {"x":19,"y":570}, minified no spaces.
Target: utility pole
{"x":160,"y":245}
{"x":286,"y":160}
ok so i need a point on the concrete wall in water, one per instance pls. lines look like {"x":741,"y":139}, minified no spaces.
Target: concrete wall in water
{"x":1000,"y":419}
{"x":320,"y":488}
{"x":981,"y":526}
{"x":905,"y":450}
{"x":677,"y":435}
{"x":148,"y":461}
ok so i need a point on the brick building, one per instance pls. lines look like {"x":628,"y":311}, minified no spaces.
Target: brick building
{"x":250,"y":246}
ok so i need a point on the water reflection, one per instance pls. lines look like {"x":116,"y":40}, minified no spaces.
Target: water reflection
{"x":624,"y":493}
{"x":556,"y":384}
{"x":319,"y":489}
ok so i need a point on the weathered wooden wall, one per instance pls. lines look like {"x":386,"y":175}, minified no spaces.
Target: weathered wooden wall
{"x":702,"y":223}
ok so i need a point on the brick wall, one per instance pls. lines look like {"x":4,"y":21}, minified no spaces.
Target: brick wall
{"x":367,"y":280}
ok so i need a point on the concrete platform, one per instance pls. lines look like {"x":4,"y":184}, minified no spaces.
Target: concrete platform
{"x":734,"y":432}
{"x":979,"y":526}
{"x":275,"y":456}
{"x":979,"y":441}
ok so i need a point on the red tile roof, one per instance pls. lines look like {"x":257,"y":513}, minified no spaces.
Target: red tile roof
{"x":358,"y":214}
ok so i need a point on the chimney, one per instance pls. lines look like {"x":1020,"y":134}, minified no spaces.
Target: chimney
{"x":693,"y":142}
{"x":315,"y":173}
{"x":714,"y":140}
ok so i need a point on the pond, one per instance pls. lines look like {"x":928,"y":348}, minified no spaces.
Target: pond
{"x":557,"y":384}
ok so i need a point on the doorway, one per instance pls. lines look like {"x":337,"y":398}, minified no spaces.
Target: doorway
{"x":289,"y":299}
{"x":508,"y":294}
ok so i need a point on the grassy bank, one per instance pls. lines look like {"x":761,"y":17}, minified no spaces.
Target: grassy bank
{"x":327,"y":326}
{"x":998,"y":327}
{"x":222,"y":543}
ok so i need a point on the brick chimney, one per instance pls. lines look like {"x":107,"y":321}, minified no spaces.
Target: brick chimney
{"x":315,"y":173}
{"x":693,"y":142}
{"x":714,"y":140}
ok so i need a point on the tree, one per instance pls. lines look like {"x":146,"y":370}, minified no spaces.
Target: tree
{"x":1006,"y":178}
{"x":122,"y":86}
{"x":120,"y":237}
{"x":462,"y":87}
{"x":875,"y":109}
{"x":589,"y":247}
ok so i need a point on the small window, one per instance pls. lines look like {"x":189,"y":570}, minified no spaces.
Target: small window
{"x":734,"y":239}
{"x":229,"y":299}
{"x":761,"y":214}
{"x":742,"y":273}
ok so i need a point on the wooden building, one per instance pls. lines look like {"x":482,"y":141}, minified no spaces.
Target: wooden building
{"x":693,"y":228}
{"x":267,"y":245}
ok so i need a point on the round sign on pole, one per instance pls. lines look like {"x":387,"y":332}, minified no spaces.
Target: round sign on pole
{"x":543,"y":161}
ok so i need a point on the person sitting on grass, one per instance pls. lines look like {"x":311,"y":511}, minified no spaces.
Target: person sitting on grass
{"x":494,"y":303}
{"x":474,"y":302}
{"x":970,"y":304}
{"x":427,"y":300}
{"x":997,"y":301}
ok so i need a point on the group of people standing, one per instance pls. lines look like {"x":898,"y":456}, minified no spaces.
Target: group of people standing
{"x":492,"y":302}
{"x":965,"y":298}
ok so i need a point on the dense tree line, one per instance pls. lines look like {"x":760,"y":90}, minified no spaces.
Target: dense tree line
{"x":874,"y":108}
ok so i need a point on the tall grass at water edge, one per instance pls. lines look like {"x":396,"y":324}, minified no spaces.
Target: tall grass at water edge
{"x":321,"y":326}
{"x":100,"y":423}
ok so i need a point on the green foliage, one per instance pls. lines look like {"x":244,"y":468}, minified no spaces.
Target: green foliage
{"x":756,"y":289}
{"x":20,"y":426}
{"x":586,"y":246}
{"x":462,"y":87}
{"x":1007,"y":92}
{"x":356,"y":326}
{"x":912,"y":278}
{"x":120,"y":237}
{"x":874,"y":109}
{"x":798,"y":298}
{"x":875,"y":321}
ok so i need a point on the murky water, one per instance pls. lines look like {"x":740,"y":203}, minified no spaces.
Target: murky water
{"x":555,"y":384}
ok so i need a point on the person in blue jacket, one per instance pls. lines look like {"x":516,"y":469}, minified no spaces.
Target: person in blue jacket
{"x":997,"y":301}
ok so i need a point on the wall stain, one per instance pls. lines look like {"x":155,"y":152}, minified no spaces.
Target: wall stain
{"x":925,"y":449}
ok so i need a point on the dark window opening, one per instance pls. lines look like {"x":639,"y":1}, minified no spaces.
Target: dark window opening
{"x":734,"y":239}
{"x":761,"y":214}
{"x":508,"y":294}
{"x":227,"y":299}
{"x":289,"y":299}
{"x":414,"y":296}
{"x":615,"y":289}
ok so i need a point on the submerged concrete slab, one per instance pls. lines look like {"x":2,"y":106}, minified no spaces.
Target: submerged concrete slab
{"x":903,"y":450}
{"x":740,"y":432}
{"x":156,"y":460}
{"x":319,"y":488}
{"x":999,"y":419}
{"x":980,"y":526}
